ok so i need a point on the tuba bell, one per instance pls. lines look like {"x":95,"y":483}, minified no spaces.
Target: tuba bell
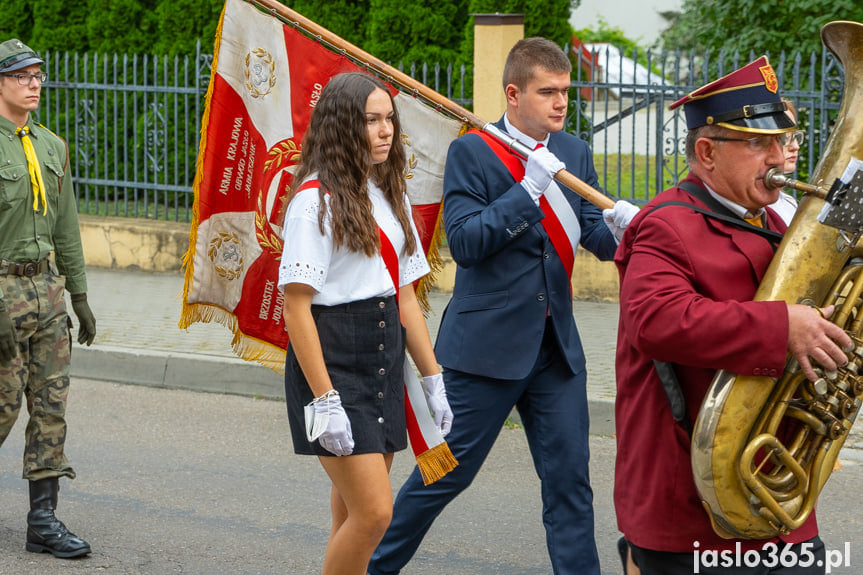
{"x":762,"y":449}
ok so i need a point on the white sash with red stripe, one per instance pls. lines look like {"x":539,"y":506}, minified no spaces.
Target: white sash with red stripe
{"x":561,"y":222}
{"x":561,"y":225}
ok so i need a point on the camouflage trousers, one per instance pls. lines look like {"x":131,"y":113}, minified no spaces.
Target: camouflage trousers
{"x":40,"y":372}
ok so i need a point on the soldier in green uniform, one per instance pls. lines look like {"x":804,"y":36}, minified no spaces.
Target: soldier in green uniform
{"x":40,"y":255}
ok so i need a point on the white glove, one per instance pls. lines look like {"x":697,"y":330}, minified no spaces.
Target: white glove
{"x":438,"y":404}
{"x":618,"y":217}
{"x":541,"y":167}
{"x":327,"y":422}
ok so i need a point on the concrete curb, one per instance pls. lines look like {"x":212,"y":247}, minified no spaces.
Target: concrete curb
{"x":193,"y":372}
{"x":214,"y":374}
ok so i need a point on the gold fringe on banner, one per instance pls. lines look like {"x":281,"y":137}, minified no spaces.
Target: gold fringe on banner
{"x":436,"y":462}
{"x":186,"y":318}
{"x":248,"y":348}
{"x":426,"y":283}
{"x":244,"y":346}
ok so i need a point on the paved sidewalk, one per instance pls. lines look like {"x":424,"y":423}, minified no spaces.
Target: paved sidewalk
{"x":138,"y":341}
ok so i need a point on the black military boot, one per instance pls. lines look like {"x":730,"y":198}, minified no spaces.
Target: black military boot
{"x":44,"y":531}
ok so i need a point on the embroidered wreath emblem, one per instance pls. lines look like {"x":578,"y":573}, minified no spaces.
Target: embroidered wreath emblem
{"x":412,"y":162}
{"x":260,"y":71}
{"x":227,"y":255}
{"x":283,"y":153}
{"x":267,"y":238}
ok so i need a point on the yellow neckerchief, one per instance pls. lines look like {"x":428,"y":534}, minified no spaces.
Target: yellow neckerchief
{"x":35,"y":171}
{"x":756,"y":221}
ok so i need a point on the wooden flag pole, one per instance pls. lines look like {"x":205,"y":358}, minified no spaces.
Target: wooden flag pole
{"x":292,"y":17}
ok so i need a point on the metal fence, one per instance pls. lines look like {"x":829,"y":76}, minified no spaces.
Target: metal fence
{"x":620,"y":104}
{"x":133,"y":126}
{"x":133,"y":121}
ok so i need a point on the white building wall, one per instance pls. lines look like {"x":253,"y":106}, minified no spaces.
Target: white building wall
{"x":639,"y":19}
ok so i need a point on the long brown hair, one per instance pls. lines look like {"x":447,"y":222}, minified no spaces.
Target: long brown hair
{"x":336,"y":146}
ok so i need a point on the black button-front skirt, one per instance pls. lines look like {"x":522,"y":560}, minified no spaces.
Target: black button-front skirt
{"x":363,"y":344}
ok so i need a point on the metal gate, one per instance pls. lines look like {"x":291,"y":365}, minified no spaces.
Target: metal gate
{"x":620,"y":105}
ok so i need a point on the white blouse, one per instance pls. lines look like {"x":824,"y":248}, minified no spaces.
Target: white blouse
{"x":338,"y":275}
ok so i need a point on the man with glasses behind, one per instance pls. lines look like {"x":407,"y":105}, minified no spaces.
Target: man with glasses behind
{"x":687,"y":279}
{"x":40,"y":255}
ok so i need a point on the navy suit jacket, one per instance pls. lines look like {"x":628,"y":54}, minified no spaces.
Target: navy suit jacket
{"x":509,"y":276}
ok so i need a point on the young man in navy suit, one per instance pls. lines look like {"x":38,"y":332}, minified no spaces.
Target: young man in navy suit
{"x":508,"y":337}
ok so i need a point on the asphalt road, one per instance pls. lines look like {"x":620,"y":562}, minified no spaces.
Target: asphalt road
{"x":173,"y":481}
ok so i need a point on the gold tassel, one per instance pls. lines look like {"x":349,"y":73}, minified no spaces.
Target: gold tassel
{"x":436,"y":462}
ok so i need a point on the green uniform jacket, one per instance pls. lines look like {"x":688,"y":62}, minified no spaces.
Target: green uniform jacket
{"x":27,"y":235}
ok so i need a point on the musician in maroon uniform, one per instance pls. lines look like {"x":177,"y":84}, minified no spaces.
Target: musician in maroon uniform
{"x":687,"y":280}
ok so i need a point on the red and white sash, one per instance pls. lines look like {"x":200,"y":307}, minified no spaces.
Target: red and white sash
{"x":432,"y":453}
{"x":561,"y":222}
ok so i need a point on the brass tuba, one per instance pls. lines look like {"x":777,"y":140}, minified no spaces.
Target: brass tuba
{"x":753,"y":483}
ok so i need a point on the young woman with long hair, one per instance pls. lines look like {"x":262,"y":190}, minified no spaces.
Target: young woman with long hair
{"x":344,"y":380}
{"x":786,"y":205}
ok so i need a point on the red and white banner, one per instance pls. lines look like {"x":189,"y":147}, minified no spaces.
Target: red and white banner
{"x":267,"y":78}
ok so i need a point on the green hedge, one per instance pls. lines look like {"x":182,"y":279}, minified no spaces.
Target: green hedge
{"x":392,"y":30}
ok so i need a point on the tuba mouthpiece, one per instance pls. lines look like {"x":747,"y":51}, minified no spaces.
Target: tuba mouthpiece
{"x":774,"y":178}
